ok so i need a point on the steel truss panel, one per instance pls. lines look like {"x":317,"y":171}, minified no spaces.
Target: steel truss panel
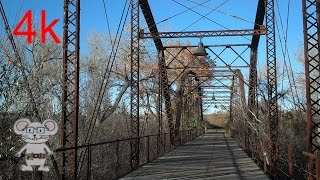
{"x":272,"y":84}
{"x":260,"y":15}
{"x":166,"y":93}
{"x":134,"y":96}
{"x":237,"y":104}
{"x":311,"y":19}
{"x":197,"y":34}
{"x":206,"y":46}
{"x":70,"y":87}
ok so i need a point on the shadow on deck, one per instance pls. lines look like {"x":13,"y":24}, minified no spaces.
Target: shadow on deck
{"x":211,"y":156}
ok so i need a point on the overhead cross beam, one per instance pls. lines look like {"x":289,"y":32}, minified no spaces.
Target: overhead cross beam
{"x":197,"y":34}
{"x":207,"y":45}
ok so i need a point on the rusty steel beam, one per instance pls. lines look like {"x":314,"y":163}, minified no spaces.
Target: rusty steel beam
{"x":215,"y":91}
{"x":200,"y":103}
{"x":237,"y":100}
{"x":166,"y":93}
{"x":213,"y":86}
{"x":145,"y":8}
{"x":240,"y":85}
{"x":252,"y":89}
{"x":217,"y":87}
{"x":197,"y":34}
{"x":210,"y":68}
{"x":217,"y":103}
{"x":217,"y":100}
{"x":252,"y":80}
{"x":134,"y":95}
{"x":206,"y":45}
{"x":272,"y":85}
{"x":214,"y":97}
{"x":253,"y":55}
{"x":230,"y":65}
{"x":164,"y":88}
{"x":232,"y":95}
{"x":311,"y":29}
{"x":258,"y":23}
{"x":70,"y":87}
{"x":160,"y":142}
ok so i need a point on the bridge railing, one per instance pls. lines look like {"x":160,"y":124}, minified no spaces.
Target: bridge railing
{"x":292,"y":163}
{"x":111,"y":159}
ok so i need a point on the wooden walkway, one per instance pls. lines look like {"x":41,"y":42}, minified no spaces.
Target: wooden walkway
{"x":212,"y":156}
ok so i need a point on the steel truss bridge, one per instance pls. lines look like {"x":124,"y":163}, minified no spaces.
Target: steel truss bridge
{"x":228,"y":91}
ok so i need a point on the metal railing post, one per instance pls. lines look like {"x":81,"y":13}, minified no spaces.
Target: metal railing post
{"x":158,"y":146}
{"x":290,"y":161}
{"x":148,"y":149}
{"x":117,"y":155}
{"x":318,"y":167}
{"x":265,"y":163}
{"x":89,"y":163}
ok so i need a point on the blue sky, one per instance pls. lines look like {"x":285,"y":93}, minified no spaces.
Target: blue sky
{"x":93,"y":19}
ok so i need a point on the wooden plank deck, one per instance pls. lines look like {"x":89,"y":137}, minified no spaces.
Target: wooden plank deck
{"x":211,"y":156}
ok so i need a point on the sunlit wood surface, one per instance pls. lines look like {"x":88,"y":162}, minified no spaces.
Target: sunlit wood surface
{"x":211,"y":156}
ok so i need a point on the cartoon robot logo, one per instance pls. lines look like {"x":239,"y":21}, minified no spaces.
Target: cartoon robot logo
{"x":35,"y":135}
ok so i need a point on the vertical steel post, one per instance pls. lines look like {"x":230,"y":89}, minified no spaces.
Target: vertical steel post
{"x":232,"y":99}
{"x":252,"y":80}
{"x":70,"y":87}
{"x":160,"y":130}
{"x":118,"y":158}
{"x":272,"y":84}
{"x":134,"y":110}
{"x":252,"y":94}
{"x":290,"y":161}
{"x":166,"y":93}
{"x":241,"y":103}
{"x":200,"y":102}
{"x":311,"y":31}
{"x":231,"y":119}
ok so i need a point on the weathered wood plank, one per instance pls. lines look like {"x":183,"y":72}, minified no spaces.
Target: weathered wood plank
{"x":212,"y":156}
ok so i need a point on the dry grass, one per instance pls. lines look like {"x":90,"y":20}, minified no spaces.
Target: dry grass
{"x":217,"y":119}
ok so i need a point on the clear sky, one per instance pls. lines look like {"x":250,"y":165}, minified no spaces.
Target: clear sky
{"x":233,"y":14}
{"x":93,"y":17}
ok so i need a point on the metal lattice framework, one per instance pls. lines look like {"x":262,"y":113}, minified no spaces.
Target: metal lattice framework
{"x":312,"y":71}
{"x":237,"y":100}
{"x":166,"y":94}
{"x":272,"y":84}
{"x":134,"y":83}
{"x":253,"y":72}
{"x":245,"y":32}
{"x":70,"y":87}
